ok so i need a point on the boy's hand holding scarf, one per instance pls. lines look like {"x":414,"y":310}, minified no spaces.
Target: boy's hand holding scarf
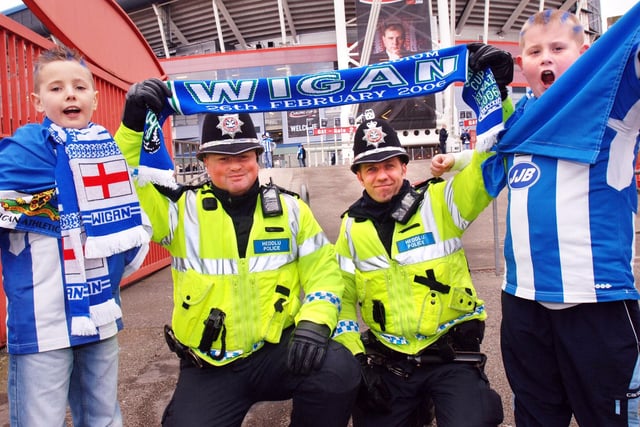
{"x":490,"y":71}
{"x":483,"y":56}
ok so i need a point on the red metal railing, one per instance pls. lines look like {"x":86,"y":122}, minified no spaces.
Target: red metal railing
{"x":19,"y":48}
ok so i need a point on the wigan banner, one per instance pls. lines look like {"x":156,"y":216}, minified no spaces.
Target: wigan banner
{"x":413,"y":76}
{"x":416,"y":75}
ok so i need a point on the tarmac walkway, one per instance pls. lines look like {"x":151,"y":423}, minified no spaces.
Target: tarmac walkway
{"x":148,"y":370}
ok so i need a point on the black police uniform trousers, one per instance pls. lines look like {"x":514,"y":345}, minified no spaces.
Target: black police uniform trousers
{"x":221,"y":396}
{"x":460,"y":393}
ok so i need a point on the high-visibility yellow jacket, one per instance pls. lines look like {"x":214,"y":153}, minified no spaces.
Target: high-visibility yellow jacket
{"x":412,"y":297}
{"x":259,"y":293}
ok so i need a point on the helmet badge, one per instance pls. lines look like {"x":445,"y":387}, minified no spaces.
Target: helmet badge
{"x":374,"y":135}
{"x":230,"y":124}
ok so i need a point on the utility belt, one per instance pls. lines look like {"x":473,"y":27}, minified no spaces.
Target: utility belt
{"x":183,"y":352}
{"x":213,"y":328}
{"x":401,"y":364}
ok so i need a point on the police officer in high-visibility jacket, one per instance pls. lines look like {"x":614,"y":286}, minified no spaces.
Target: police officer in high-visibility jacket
{"x":242,"y":253}
{"x":401,"y":255}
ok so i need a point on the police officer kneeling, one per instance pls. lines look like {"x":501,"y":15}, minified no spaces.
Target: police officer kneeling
{"x":400,"y":249}
{"x":241,"y":255}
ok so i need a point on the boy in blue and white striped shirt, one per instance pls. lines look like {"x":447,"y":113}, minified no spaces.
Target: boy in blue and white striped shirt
{"x":570,"y":315}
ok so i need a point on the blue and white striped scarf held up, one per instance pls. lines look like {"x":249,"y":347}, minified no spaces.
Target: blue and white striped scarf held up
{"x":417,"y":75}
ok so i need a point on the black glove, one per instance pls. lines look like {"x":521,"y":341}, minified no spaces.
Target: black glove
{"x":150,"y":93}
{"x":374,"y":395}
{"x":307,"y":347}
{"x":483,"y":56}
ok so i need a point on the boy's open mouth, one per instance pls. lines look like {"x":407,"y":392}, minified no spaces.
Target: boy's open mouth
{"x":547,"y":77}
{"x":71,"y":110}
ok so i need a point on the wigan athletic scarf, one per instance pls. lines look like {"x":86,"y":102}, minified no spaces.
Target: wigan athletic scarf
{"x":417,"y":75}
{"x":97,"y":215}
{"x":481,"y":93}
{"x":92,"y":171}
{"x":30,"y":212}
{"x":155,"y":164}
{"x":569,"y":121}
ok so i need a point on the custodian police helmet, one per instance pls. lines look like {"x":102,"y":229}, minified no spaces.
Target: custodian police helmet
{"x":228,"y":134}
{"x":376,"y":141}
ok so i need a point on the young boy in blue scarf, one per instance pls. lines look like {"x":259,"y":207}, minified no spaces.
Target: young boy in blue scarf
{"x":64,"y":252}
{"x":570,"y":315}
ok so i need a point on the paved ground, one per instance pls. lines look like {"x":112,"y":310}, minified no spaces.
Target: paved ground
{"x":148,"y":370}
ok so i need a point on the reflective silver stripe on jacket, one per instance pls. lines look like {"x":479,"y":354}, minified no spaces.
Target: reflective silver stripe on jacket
{"x":208,"y":266}
{"x":453,"y":208}
{"x":192,"y":232}
{"x":230,"y":266}
{"x":271,"y":262}
{"x":313,"y":244}
{"x":424,"y":253}
{"x":294,"y":213}
{"x":372,"y":264}
{"x":173,"y":223}
{"x":309,"y":245}
{"x":346,"y":264}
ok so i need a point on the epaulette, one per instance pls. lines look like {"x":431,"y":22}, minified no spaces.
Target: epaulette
{"x":289,"y":192}
{"x":284,"y":190}
{"x":422,"y":186}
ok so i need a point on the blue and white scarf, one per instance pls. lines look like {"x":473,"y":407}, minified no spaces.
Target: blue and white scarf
{"x":417,"y":75}
{"x":95,"y":191}
{"x":481,"y":93}
{"x":569,"y":121}
{"x":97,"y":215}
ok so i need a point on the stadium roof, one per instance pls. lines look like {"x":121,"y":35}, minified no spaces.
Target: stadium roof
{"x":178,"y":27}
{"x":247,"y":22}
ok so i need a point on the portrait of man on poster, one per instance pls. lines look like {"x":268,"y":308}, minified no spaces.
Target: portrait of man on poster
{"x":394,"y":43}
{"x":403,"y":29}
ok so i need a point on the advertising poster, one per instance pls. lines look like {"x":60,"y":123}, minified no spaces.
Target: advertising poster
{"x":297,"y":121}
{"x":403,"y":29}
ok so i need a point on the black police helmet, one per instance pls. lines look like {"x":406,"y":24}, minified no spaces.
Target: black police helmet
{"x":228,"y":134}
{"x":376,"y":141}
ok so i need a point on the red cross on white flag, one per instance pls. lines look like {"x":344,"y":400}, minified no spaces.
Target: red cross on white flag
{"x":105,"y":180}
